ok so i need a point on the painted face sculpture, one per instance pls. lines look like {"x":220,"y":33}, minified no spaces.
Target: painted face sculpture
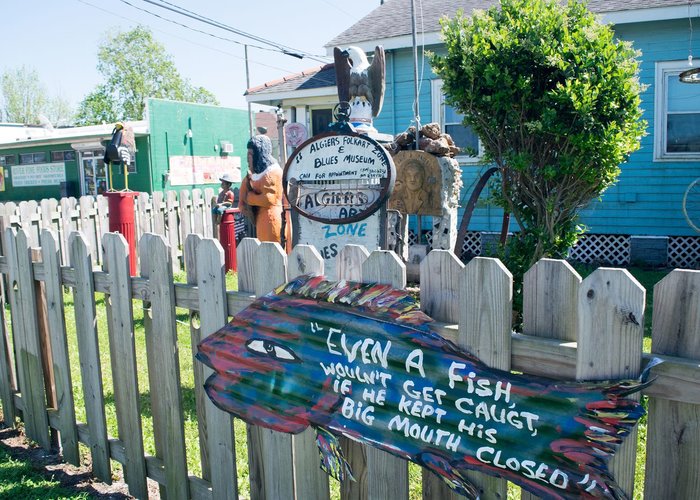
{"x":359,"y":360}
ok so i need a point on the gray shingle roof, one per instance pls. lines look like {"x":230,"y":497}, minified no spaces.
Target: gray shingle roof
{"x":393,"y":18}
{"x":323,"y":76}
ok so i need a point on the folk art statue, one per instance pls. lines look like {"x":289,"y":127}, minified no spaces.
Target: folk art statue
{"x":361,"y":361}
{"x":261,"y":192}
{"x":360,"y":84}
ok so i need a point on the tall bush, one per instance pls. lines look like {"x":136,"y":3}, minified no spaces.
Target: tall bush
{"x":554,"y":98}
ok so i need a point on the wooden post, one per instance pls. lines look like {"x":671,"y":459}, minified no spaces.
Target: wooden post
{"x":65,"y":411}
{"x":42,"y":317}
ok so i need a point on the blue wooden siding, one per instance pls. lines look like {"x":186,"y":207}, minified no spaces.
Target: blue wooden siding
{"x":647,"y":200}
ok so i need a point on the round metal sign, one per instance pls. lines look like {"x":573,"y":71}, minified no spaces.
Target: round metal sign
{"x":338,"y":177}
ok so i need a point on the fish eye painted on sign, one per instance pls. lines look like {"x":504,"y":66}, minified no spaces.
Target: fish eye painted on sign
{"x":338,"y":177}
{"x":360,"y":360}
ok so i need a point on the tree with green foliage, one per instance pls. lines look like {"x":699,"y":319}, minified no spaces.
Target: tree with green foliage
{"x":554,"y":98}
{"x":24,"y":97}
{"x":135,"y":67}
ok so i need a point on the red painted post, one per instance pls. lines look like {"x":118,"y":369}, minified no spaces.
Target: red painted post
{"x":227,"y":238}
{"x":121,"y":220}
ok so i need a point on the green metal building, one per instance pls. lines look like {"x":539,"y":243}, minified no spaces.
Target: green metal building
{"x":178,"y":146}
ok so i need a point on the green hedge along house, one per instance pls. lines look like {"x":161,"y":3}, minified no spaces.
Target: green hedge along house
{"x":178,"y":146}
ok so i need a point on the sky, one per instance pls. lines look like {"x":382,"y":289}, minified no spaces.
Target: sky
{"x":60,"y":39}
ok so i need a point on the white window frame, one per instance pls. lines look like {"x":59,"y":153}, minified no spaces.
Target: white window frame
{"x":438,"y":112}
{"x":665,"y":69}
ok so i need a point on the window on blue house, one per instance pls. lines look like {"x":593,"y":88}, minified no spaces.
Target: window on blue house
{"x":677,"y":118}
{"x":451,"y":122}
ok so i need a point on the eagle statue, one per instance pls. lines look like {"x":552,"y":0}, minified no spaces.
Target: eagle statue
{"x":360,"y":84}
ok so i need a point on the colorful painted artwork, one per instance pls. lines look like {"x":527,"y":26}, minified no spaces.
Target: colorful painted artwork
{"x":360,"y":360}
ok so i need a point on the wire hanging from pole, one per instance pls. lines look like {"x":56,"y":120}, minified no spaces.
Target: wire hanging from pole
{"x":416,"y":105}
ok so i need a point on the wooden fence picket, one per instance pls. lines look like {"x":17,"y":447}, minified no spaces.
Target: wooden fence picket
{"x":304,"y":259}
{"x":673,"y":432}
{"x":485,"y":323}
{"x":89,"y":352}
{"x":158,"y":212}
{"x":309,"y":480}
{"x":550,"y":306}
{"x":8,"y":384}
{"x":7,"y":378}
{"x":349,"y":267}
{"x":123,"y":361}
{"x":65,"y":412}
{"x":173,"y":228}
{"x":29,"y":221}
{"x":102,"y":218}
{"x":610,"y":330}
{"x":219,"y":441}
{"x":385,"y":475}
{"x":185,"y":205}
{"x":26,"y":336}
{"x":207,"y":196}
{"x":440,"y":273}
{"x":198,"y":213}
{"x":349,"y":262}
{"x":164,"y":364}
{"x":270,"y":452}
{"x":67,"y":227}
{"x":143,"y":215}
{"x":87,"y":224}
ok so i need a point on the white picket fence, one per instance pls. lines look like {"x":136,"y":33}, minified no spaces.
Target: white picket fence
{"x":573,"y":328}
{"x":170,"y":214}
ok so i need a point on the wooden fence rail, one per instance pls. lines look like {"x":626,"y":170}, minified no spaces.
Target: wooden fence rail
{"x":573,"y":328}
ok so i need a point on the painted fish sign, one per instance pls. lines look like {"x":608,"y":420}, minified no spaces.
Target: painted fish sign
{"x":360,"y":360}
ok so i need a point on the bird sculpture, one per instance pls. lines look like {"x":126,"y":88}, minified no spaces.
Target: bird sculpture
{"x":360,"y":84}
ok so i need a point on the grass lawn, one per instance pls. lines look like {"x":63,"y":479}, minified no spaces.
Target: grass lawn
{"x":8,"y":469}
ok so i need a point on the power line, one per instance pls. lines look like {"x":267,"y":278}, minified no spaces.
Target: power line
{"x":198,"y":17}
{"x":286,"y":70}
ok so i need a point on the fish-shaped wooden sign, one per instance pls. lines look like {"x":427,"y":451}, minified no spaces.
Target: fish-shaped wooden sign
{"x":360,"y":360}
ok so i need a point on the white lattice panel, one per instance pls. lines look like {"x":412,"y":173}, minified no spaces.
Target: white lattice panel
{"x":613,"y":249}
{"x":684,"y":252}
{"x":471,"y":246}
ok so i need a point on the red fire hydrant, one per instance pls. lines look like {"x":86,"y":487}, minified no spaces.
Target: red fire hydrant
{"x":227,"y":238}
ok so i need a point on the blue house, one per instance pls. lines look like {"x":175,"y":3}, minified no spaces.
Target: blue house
{"x":641,"y":218}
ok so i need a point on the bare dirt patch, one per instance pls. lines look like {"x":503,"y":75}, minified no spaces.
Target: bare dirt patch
{"x":51,"y":465}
